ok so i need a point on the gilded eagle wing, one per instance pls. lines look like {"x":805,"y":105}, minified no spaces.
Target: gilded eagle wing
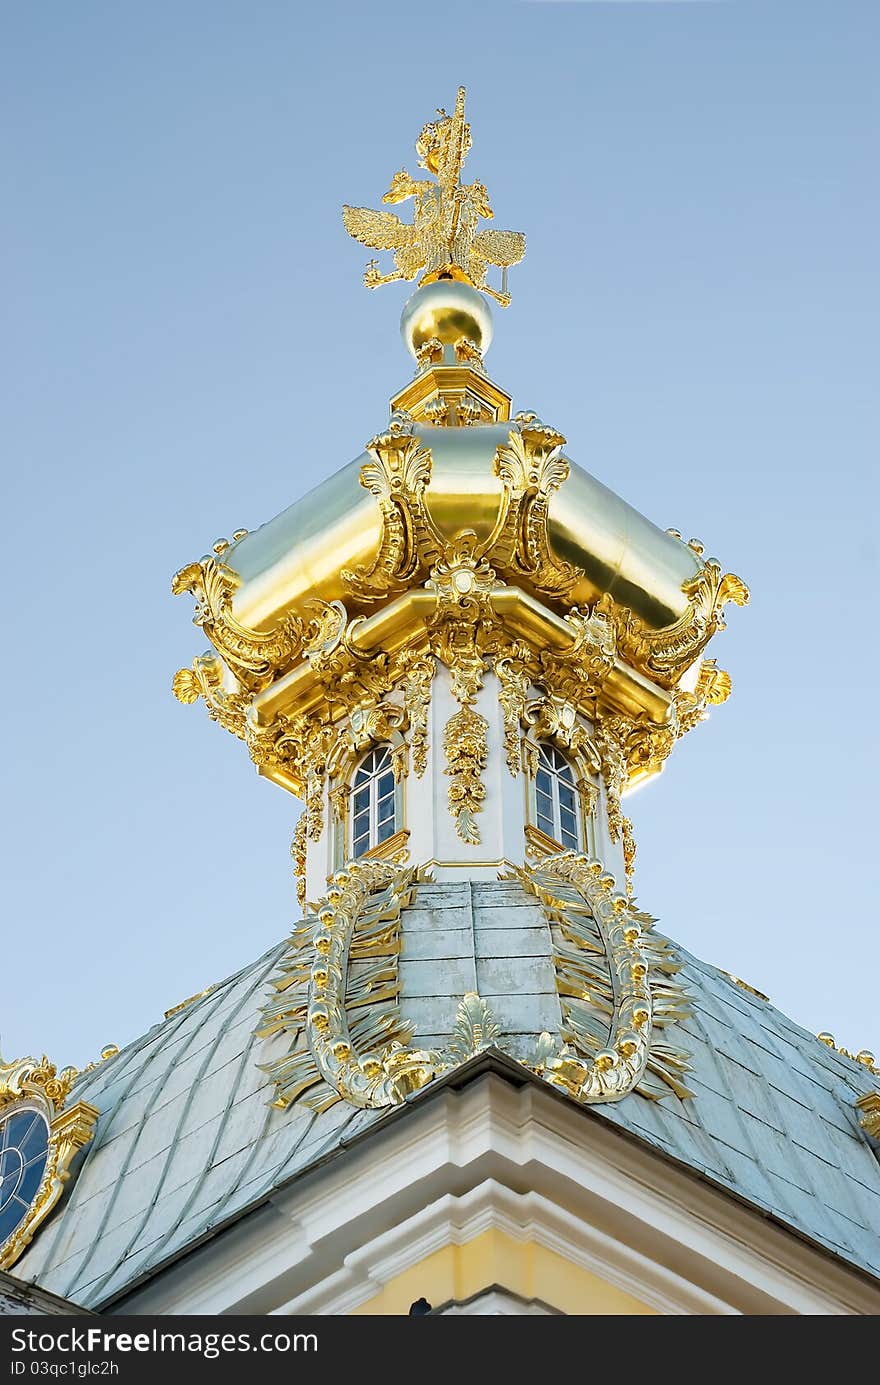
{"x":378,"y":230}
{"x":500,"y":248}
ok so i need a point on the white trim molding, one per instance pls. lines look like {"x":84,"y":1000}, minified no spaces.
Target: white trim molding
{"x":501,"y":1151}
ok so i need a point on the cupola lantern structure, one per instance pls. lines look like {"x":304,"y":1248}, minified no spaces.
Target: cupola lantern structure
{"x":460,"y":652}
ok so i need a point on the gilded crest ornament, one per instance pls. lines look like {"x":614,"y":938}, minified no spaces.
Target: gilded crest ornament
{"x":443,"y":241}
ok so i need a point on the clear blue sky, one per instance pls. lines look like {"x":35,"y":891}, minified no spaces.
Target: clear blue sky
{"x":187,"y":348}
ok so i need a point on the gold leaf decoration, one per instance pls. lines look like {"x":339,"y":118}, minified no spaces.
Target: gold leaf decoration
{"x":475,"y":1028}
{"x":466,"y":750}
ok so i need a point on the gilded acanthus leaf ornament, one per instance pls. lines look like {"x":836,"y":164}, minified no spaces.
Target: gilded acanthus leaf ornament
{"x":325,"y":632}
{"x":629,"y":853}
{"x":206,"y":679}
{"x":465,"y":747}
{"x":397,"y":474}
{"x":713,"y":687}
{"x":514,"y":683}
{"x":666,"y":654}
{"x":531,"y":468}
{"x":631,"y":747}
{"x":254,"y":656}
{"x":475,"y":1028}
{"x":444,"y":239}
{"x":463,"y":629}
{"x":298,"y":856}
{"x":378,"y":721}
{"x":554,"y":718}
{"x":417,"y":670}
{"x":38,"y":1088}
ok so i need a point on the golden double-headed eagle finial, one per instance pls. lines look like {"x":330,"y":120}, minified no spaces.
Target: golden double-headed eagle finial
{"x":443,"y":239}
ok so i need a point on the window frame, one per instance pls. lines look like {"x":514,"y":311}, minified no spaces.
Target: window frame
{"x":553,"y":763}
{"x":383,"y":757}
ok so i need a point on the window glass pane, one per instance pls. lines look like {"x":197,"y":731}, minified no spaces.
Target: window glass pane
{"x":546,"y":824}
{"x":386,"y":829}
{"x":568,"y":821}
{"x":570,"y":840}
{"x":545,"y":803}
{"x":362,"y":800}
{"x":386,"y":810}
{"x":386,"y":784}
{"x":566,"y":797}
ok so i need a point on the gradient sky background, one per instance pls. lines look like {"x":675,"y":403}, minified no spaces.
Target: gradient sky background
{"x":187,"y":348}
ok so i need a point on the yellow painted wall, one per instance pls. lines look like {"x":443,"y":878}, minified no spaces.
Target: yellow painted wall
{"x":533,"y":1271}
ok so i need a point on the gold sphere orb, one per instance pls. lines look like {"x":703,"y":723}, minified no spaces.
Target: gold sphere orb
{"x":446,"y":310}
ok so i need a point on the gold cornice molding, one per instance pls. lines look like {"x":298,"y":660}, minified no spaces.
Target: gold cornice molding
{"x":394,"y":848}
{"x":445,"y":395}
{"x":403,"y":623}
{"x":868,"y":1107}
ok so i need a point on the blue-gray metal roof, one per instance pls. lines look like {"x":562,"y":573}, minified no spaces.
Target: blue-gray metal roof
{"x":188,"y":1138}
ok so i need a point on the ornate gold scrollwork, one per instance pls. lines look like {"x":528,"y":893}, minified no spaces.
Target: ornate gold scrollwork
{"x":713,"y":687}
{"x":417,"y":670}
{"x":463,"y":628}
{"x":397,"y":476}
{"x":514,"y":683}
{"x":638,"y":992}
{"x":629,"y":853}
{"x":253,"y":656}
{"x":630,"y":747}
{"x":666,"y":654}
{"x":864,"y":1055}
{"x":298,"y":856}
{"x":553,"y":718}
{"x":531,"y":468}
{"x":338,"y":990}
{"x":38,"y":1086}
{"x":205,"y":679}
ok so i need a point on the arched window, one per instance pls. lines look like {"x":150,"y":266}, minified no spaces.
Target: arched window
{"x":373,"y":801}
{"x":556,"y":798}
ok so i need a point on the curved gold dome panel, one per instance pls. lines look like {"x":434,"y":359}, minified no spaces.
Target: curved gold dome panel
{"x":300,"y":555}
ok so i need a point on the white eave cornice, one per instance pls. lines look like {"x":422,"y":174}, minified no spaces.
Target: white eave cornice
{"x":453,"y":1163}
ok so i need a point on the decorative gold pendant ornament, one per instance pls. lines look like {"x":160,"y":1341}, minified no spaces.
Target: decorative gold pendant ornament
{"x":39,"y":1138}
{"x":464,"y":742}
